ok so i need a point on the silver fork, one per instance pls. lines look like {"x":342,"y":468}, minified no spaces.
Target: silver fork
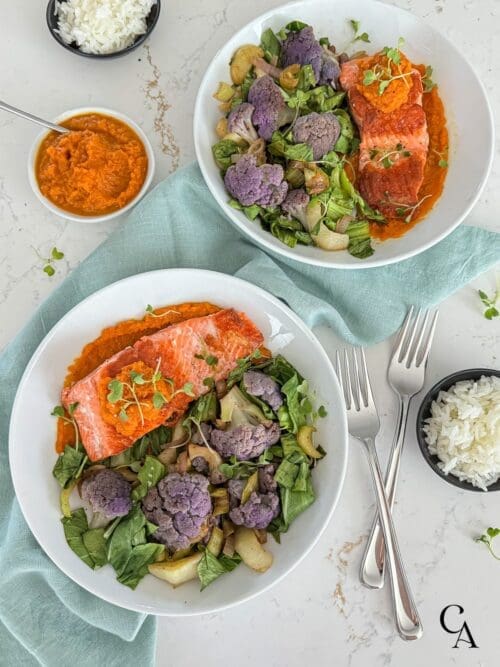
{"x":364,"y":425}
{"x":406,"y":376}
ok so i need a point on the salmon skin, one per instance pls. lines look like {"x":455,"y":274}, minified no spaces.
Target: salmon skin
{"x":394,"y":143}
{"x":185,"y":354}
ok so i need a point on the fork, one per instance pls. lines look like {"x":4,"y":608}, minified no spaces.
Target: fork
{"x":364,"y":425}
{"x":406,"y":376}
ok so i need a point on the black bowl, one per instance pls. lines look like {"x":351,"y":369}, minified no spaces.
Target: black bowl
{"x":52,"y":22}
{"x":424,"y":413}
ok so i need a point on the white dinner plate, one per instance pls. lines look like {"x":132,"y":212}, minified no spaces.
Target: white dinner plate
{"x":39,"y":391}
{"x":469,"y":119}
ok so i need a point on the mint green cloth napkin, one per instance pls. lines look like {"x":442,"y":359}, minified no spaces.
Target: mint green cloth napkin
{"x":44,"y":617}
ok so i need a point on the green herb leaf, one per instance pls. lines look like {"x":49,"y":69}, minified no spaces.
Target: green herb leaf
{"x":149,"y":475}
{"x":58,"y":411}
{"x":307,"y":78}
{"x":242,"y":365}
{"x":491,"y":310}
{"x":369,"y":77}
{"x":188,"y":389}
{"x":387,"y":162}
{"x":443,"y":164}
{"x":487,"y":538}
{"x":222,"y":152}
{"x":115,"y":391}
{"x":322,"y":411}
{"x":355,"y":25}
{"x":56,"y":254}
{"x":137,"y":378}
{"x":49,"y":270}
{"x":427,"y":81}
{"x":159,"y":400}
{"x":122,"y":415}
{"x":280,"y":147}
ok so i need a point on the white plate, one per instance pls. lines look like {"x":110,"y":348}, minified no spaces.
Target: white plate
{"x":470,"y":122}
{"x":39,"y":391}
{"x":89,"y":219}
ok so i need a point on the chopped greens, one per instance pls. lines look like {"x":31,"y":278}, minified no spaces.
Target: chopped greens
{"x":212,"y":567}
{"x":490,"y":303}
{"x":358,"y":37}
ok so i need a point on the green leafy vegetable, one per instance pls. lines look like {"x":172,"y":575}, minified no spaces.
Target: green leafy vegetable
{"x":89,"y":545}
{"x":149,"y":475}
{"x":359,"y":239}
{"x":152,"y":443}
{"x":280,"y":147}
{"x":242,"y":469}
{"x":296,"y":26}
{"x":69,"y":465}
{"x":487,"y":538}
{"x":297,"y":408}
{"x":427,"y":81}
{"x":242,"y":366}
{"x":202,"y":410}
{"x":222,"y":152}
{"x":95,"y":544}
{"x":344,"y":142}
{"x":307,"y":79}
{"x":271,"y":46}
{"x":128,"y":551}
{"x":211,"y":568}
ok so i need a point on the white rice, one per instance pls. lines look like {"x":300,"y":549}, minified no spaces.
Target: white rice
{"x":102,"y":26}
{"x":464,"y":431}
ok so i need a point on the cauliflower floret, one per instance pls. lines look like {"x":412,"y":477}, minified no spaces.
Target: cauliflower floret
{"x":267,"y":483}
{"x":295,"y":204}
{"x":239,"y":122}
{"x":108,"y":493}
{"x":180,"y":506}
{"x":320,"y":131}
{"x":270,"y":112}
{"x":252,"y":184}
{"x":246,"y":441}
{"x":261,"y":385}
{"x":258,"y":512}
{"x":302,"y":47}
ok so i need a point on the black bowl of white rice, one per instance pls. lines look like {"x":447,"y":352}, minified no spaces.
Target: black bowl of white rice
{"x":458,"y":429}
{"x":102,"y":28}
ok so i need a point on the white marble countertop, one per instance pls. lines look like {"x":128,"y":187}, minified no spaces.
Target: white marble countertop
{"x":320,"y":614}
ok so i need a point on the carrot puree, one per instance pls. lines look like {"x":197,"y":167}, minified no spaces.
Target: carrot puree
{"x":97,"y":168}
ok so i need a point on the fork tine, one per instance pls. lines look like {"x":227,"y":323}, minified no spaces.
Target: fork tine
{"x":347,"y":379}
{"x":342,"y":380}
{"x":409,"y":348}
{"x":402,"y":334}
{"x":358,"y":400}
{"x":428,"y":341}
{"x":416,"y":348}
{"x":365,"y":381}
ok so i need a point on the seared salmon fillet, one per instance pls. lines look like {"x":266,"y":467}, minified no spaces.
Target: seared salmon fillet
{"x":171,"y":363}
{"x":393,"y":129}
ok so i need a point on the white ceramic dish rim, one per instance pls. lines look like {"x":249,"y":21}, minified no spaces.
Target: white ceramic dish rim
{"x":90,"y":219}
{"x":341,"y":462}
{"x":273,"y":245}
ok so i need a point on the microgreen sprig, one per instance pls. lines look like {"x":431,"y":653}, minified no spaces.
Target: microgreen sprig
{"x":427,"y":81}
{"x":442,"y":155}
{"x":117,"y":389}
{"x":384,"y":75}
{"x":60,"y":412}
{"x":358,"y":37}
{"x":487,"y":538}
{"x":490,"y":303}
{"x":55,"y":256}
{"x":151,"y":312}
{"x":385,"y":157}
{"x":406,"y":211}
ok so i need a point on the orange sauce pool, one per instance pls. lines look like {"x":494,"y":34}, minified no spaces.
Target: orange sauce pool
{"x":434,"y":174}
{"x":97,"y":168}
{"x":118,"y":336}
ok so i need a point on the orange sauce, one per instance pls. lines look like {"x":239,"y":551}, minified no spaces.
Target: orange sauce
{"x":97,"y":168}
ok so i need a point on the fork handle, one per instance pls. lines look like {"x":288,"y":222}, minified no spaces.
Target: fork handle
{"x":406,"y":615}
{"x":372,"y":571}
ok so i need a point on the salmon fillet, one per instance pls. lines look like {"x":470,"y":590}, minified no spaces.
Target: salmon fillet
{"x":187,"y":352}
{"x":394,"y":142}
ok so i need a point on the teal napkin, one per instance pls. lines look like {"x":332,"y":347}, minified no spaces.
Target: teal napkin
{"x":44,"y":617}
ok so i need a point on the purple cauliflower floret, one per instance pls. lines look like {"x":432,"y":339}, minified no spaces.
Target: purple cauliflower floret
{"x":200,"y":464}
{"x":330,"y":69}
{"x":261,"y":385}
{"x":295,"y":204}
{"x":270,"y":110}
{"x":267,"y":483}
{"x":239,"y":121}
{"x":252,"y":184}
{"x":320,"y":131}
{"x":180,"y":506}
{"x":199,"y":438}
{"x":246,"y":441}
{"x":108,"y":493}
{"x":302,"y":48}
{"x":258,"y":512}
{"x":235,"y":489}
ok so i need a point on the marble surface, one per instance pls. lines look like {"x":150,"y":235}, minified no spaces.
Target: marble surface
{"x":320,"y":614}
